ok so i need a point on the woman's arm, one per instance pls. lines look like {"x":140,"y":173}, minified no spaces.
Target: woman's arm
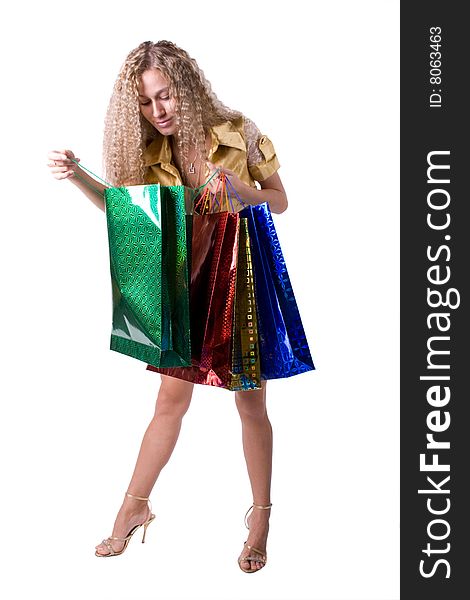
{"x":95,"y":195}
{"x":272,"y":191}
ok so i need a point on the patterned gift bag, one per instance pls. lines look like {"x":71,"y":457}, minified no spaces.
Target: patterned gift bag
{"x":284,"y":349}
{"x":246,"y":369}
{"x":148,"y":250}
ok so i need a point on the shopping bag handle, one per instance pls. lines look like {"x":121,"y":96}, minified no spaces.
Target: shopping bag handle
{"x":195,"y":190}
{"x":224,"y":182}
{"x":91,"y":173}
{"x":224,"y":190}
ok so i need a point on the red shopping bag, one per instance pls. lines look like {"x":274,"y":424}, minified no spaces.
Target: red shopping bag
{"x":214,"y":254}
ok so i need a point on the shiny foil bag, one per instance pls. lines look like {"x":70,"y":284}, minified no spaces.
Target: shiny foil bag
{"x":148,"y":227}
{"x":246,"y":368}
{"x":214,"y":259}
{"x":284,"y":350}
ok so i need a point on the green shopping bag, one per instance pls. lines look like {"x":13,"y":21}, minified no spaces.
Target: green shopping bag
{"x":148,"y":228}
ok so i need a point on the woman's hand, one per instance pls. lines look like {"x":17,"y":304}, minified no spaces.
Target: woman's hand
{"x":63,"y":167}
{"x":60,"y":164}
{"x":235,"y":183}
{"x":272,"y":190}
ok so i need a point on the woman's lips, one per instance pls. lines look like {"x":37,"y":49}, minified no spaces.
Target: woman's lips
{"x":164,"y":123}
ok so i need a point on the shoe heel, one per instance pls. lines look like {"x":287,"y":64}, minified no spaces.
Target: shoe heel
{"x":145,"y":530}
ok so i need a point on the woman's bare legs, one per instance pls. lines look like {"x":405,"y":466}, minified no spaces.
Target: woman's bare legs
{"x":174,"y":398}
{"x":257,"y":439}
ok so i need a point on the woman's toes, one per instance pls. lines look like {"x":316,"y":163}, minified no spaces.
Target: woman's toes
{"x":103,"y":549}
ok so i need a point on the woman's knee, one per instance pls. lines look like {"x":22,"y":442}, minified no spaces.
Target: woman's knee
{"x":174,"y":397}
{"x":251,"y":404}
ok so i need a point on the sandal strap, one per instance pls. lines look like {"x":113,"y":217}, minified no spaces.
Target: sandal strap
{"x":263,"y":558}
{"x":253,"y":558}
{"x":141,"y":498}
{"x":263,"y":554}
{"x":254,"y":550}
{"x":255,"y":506}
{"x":120,"y":539}
{"x":108,"y":545}
{"x":137,"y":497}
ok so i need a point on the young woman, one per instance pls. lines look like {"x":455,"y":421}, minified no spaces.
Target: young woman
{"x":165,"y":125}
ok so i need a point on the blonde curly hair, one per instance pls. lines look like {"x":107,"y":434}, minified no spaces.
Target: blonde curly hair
{"x":127,"y":133}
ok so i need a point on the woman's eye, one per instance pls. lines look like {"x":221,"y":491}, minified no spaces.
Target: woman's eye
{"x":144,"y":103}
{"x":166,"y":98}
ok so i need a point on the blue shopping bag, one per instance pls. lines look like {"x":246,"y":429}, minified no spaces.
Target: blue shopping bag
{"x":284,"y":349}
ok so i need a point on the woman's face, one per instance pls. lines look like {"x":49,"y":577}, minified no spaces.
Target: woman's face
{"x":155,"y":102}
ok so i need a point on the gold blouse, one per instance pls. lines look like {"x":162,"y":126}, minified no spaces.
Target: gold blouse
{"x":238,"y":146}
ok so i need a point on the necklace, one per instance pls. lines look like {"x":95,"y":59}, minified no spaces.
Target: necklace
{"x":195,"y":162}
{"x":191,"y":169}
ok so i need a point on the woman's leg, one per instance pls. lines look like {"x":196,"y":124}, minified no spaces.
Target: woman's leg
{"x":257,"y":439}
{"x":174,"y":398}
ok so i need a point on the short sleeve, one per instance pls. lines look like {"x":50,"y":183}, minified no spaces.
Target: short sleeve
{"x":261,"y":156}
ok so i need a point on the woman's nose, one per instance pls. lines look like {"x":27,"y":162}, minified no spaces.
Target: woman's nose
{"x":158,"y":110}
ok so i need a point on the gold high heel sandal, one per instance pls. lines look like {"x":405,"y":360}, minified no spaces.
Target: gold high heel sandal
{"x":131,"y":532}
{"x":261,"y":556}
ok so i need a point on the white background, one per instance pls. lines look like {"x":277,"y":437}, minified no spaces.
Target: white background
{"x":323,"y":85}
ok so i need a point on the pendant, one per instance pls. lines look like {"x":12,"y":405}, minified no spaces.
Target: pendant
{"x":191,"y":168}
